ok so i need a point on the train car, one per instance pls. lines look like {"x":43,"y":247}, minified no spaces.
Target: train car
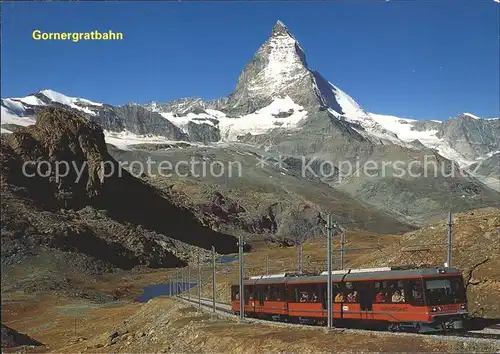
{"x":264,"y":297}
{"x":420,"y":300}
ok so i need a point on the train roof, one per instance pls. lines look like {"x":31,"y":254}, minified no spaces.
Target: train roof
{"x":352,"y":275}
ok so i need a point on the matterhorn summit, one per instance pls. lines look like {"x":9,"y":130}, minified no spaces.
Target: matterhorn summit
{"x":279,"y":69}
{"x":277,"y":64}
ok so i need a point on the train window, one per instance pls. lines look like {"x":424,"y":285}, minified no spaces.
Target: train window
{"x":267,"y":292}
{"x":316,"y":293}
{"x":396,"y":291}
{"x":259,"y":292}
{"x":235,"y":293}
{"x":279,"y":292}
{"x":390,"y":291}
{"x":380,"y":292}
{"x":338,"y":292}
{"x":414,"y":291}
{"x":306,"y":293}
{"x":249,"y":294}
{"x":352,"y":293}
{"x":448,"y":290}
{"x":274,"y":292}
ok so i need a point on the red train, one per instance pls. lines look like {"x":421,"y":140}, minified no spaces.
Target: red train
{"x":399,"y":299}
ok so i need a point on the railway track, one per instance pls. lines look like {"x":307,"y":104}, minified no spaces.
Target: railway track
{"x":491,"y":334}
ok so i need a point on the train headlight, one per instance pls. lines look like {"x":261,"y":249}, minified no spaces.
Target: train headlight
{"x":434,"y":309}
{"x":463,"y":307}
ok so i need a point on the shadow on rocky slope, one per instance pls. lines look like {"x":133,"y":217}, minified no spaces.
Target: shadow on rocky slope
{"x":12,"y":338}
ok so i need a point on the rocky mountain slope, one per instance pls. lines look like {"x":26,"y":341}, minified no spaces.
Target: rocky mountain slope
{"x":487,"y":170}
{"x":89,"y":216}
{"x":268,"y":202}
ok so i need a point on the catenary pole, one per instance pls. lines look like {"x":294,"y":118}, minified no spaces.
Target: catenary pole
{"x":199,"y":282}
{"x":300,"y":259}
{"x":189,"y":281}
{"x":329,"y":270}
{"x":213,"y":278}
{"x":450,"y":241}
{"x":342,"y":250}
{"x":242,"y":290}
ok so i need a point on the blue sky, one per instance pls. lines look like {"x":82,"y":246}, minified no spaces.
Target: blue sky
{"x":421,"y":59}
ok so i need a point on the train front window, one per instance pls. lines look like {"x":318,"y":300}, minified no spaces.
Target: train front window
{"x":439,"y":291}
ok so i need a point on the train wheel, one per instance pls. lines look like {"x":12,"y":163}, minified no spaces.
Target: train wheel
{"x":394,"y":327}
{"x":416,"y":327}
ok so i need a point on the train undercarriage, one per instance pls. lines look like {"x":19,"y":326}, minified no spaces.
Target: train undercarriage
{"x":449,"y":323}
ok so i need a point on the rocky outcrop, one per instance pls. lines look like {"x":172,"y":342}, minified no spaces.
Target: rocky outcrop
{"x":138,"y":120}
{"x":204,"y":132}
{"x":423,"y":125}
{"x":184,"y":106}
{"x":472,"y":137}
{"x":489,"y":167}
{"x":487,"y":171}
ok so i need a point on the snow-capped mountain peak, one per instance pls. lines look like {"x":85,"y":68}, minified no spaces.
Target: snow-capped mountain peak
{"x":54,"y":96}
{"x":280,"y":28}
{"x":284,"y":62}
{"x":469,"y":115}
{"x":45,"y":97}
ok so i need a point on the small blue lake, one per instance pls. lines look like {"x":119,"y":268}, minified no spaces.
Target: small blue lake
{"x":152,"y":291}
{"x":227,"y":259}
{"x":166,"y":289}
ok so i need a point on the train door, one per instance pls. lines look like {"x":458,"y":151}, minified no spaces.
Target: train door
{"x":235,"y":298}
{"x":261,"y":290}
{"x":250,"y":299}
{"x":366,"y":293}
{"x":261,"y":294}
{"x":324,"y":298}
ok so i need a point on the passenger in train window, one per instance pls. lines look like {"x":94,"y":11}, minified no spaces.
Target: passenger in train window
{"x":237,"y":297}
{"x":352,"y":297}
{"x":314,"y":298}
{"x":304,"y":297}
{"x":396,"y":297}
{"x":379,"y":297}
{"x":339,"y":297}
